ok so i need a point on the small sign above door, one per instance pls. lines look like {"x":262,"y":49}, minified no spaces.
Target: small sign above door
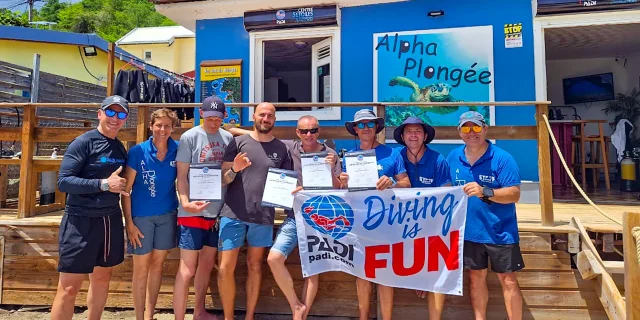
{"x":291,"y":18}
{"x":546,"y":7}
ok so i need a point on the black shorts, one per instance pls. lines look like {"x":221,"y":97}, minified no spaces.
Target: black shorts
{"x":86,"y":242}
{"x":504,"y":257}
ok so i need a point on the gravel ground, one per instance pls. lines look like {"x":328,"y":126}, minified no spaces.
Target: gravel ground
{"x":42,"y":313}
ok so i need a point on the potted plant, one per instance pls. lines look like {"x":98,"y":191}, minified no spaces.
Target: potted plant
{"x":625,"y":107}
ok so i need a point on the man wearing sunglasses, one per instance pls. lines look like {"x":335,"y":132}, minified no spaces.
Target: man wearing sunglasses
{"x":308,"y":131}
{"x":91,"y":239}
{"x":491,"y":179}
{"x":426,"y":168}
{"x":392,"y":174}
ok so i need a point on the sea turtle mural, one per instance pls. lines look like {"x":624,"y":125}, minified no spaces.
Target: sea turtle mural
{"x":437,"y":92}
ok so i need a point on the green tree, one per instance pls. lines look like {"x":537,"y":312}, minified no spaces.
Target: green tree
{"x":110,"y":19}
{"x":10,"y":18}
{"x":51,"y":9}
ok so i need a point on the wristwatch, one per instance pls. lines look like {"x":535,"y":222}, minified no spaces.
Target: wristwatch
{"x":393,"y":182}
{"x":487,"y":193}
{"x":104,"y":185}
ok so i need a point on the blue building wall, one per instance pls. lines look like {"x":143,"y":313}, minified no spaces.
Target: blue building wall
{"x":513,"y":68}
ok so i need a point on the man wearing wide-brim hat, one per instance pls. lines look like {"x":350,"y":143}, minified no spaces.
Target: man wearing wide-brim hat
{"x":392,"y":174}
{"x":426,"y":168}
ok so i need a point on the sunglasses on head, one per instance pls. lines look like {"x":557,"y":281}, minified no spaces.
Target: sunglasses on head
{"x":121,"y":114}
{"x":370,"y":125}
{"x":476,"y":129}
{"x":305,"y":131}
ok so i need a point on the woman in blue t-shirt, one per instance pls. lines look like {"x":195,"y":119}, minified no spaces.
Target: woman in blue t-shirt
{"x":391,"y":174}
{"x":150,"y":212}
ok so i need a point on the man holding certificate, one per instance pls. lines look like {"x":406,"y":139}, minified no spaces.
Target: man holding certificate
{"x":387,"y":171}
{"x":199,"y":154}
{"x":318,"y":167}
{"x":243,"y":215}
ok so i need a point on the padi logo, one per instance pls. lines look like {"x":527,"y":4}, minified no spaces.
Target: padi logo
{"x":282,"y":176}
{"x":110,"y":160}
{"x":424,"y":180}
{"x":315,"y":158}
{"x":487,"y":179}
{"x":205,"y":170}
{"x":360,"y":157}
{"x":330,"y":215}
{"x":172,"y":164}
{"x":280,"y":14}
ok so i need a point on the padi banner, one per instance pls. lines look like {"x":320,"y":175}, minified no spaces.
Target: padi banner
{"x":405,"y":238}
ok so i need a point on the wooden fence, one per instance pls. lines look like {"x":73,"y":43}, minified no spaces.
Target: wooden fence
{"x":30,"y":133}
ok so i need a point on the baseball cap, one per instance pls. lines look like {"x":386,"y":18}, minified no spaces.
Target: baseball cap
{"x":471,"y":116}
{"x":115,"y":100}
{"x":213,"y":107}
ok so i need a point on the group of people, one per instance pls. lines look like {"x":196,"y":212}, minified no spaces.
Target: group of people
{"x":149,"y":186}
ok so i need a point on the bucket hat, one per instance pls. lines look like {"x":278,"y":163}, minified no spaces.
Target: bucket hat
{"x":364,"y":114}
{"x":428,"y":130}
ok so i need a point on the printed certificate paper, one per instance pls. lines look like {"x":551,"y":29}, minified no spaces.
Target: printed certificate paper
{"x":205,"y":182}
{"x":277,"y":190}
{"x":362,"y":168}
{"x":316,"y":173}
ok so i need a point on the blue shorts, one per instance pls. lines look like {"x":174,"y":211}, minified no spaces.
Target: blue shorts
{"x":190,"y":238}
{"x":159,"y":233}
{"x":233,"y":232}
{"x":286,"y":238}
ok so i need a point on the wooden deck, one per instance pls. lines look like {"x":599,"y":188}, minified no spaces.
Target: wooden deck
{"x":551,"y":287}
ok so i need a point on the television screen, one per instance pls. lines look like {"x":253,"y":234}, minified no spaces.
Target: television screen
{"x":597,"y":87}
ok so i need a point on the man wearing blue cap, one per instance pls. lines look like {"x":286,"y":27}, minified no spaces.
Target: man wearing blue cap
{"x":91,"y":239}
{"x":426,"y":168}
{"x":491,"y":179}
{"x":392,"y":174}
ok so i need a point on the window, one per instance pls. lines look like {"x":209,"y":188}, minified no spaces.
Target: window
{"x":296,"y":65}
{"x":147,"y":55}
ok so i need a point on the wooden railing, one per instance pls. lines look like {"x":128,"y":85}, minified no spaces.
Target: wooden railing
{"x":30,"y":133}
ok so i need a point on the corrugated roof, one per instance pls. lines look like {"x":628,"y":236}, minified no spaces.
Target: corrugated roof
{"x":79,"y":39}
{"x":155,"y":35}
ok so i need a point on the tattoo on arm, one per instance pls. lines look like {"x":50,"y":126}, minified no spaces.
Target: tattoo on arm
{"x":228,"y":177}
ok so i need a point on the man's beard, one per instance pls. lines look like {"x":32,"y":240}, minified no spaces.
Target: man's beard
{"x":263,"y":128}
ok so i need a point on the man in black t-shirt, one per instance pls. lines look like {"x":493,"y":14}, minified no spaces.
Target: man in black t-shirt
{"x":91,"y":236}
{"x":247,"y":160}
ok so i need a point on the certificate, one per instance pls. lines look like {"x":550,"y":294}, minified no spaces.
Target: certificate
{"x":278,"y":187}
{"x":205,"y":182}
{"x":362,"y":168}
{"x":316,"y":172}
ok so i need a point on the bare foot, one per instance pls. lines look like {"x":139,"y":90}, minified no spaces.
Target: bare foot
{"x":204,"y":316}
{"x":299,"y":312}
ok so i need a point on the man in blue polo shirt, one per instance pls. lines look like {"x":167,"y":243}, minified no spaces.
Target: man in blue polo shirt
{"x":491,"y":179}
{"x":391,"y":174}
{"x":426,"y":168}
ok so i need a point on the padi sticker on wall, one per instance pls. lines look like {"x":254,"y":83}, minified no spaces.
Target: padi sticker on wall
{"x":513,"y":35}
{"x":437,"y":65}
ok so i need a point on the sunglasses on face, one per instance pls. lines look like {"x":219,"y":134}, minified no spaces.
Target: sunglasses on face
{"x":369,"y":125}
{"x":121,"y":114}
{"x":305,"y":131}
{"x":476,"y":129}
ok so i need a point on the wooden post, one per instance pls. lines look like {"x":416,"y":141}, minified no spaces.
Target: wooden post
{"x":544,"y":167}
{"x":110,"y":67}
{"x":4,"y":185}
{"x":380,"y":111}
{"x":631,"y":267}
{"x":143,"y":125}
{"x":25,"y":206}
